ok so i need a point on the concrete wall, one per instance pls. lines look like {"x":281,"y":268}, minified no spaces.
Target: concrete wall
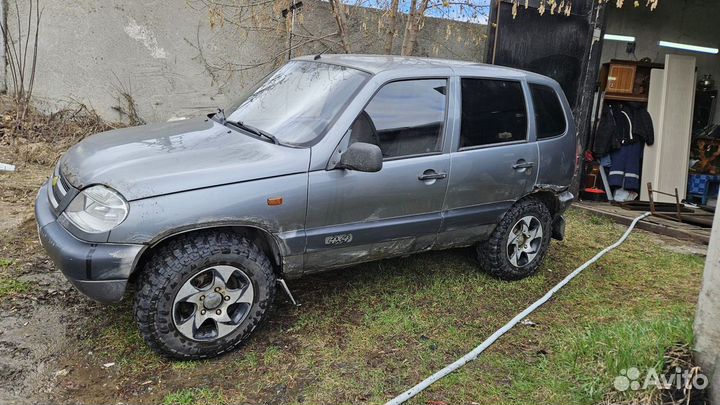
{"x":438,"y":38}
{"x":691,"y":22}
{"x":166,"y":56}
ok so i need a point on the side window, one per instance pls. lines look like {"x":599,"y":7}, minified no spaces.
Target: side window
{"x":404,"y":118}
{"x":493,"y":111}
{"x":549,"y":115}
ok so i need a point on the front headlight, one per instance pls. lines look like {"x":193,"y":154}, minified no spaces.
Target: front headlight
{"x":97,"y":209}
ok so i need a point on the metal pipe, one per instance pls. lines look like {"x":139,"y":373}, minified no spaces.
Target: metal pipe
{"x":519,"y":317}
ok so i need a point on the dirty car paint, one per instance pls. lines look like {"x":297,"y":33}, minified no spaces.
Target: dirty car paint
{"x":159,"y":159}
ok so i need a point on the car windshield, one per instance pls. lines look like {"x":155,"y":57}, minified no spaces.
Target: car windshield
{"x":299,"y":101}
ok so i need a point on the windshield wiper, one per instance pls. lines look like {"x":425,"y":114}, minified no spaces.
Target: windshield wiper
{"x":256,"y":131}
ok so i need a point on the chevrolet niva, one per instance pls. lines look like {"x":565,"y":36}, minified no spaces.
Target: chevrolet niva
{"x":329,"y":161}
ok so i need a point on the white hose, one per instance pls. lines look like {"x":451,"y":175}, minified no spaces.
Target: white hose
{"x":519,"y":317}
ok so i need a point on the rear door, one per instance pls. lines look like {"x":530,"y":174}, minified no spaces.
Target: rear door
{"x":555,"y":133}
{"x":494,"y":158}
{"x":354,"y":216}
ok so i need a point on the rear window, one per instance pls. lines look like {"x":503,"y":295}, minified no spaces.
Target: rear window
{"x":549,"y":115}
{"x":493,"y":111}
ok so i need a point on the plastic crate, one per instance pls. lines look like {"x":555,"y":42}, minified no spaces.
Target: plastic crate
{"x":703,"y":187}
{"x":700,"y":183}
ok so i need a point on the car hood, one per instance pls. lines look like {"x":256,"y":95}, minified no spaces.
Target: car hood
{"x":157,"y":159}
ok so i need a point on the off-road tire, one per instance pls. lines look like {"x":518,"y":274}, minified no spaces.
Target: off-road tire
{"x":492,"y":253}
{"x":178,"y":261}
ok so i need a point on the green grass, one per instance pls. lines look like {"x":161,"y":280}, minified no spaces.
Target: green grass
{"x":194,"y":396}
{"x":367,"y":333}
{"x":580,"y":366}
{"x":5,"y":264}
{"x":8,"y":285}
{"x":185,"y":365}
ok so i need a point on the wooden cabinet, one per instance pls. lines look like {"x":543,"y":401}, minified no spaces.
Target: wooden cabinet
{"x":626,"y":80}
{"x":621,"y":79}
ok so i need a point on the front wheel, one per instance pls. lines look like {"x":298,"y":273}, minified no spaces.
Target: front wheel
{"x":202,"y":294}
{"x":517,"y":246}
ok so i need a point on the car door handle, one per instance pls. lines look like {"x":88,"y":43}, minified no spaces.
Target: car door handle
{"x":521,"y":164}
{"x":431,"y":175}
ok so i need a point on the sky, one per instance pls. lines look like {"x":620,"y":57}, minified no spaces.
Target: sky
{"x":460,"y":10}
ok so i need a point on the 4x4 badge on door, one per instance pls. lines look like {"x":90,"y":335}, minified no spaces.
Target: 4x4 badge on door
{"x":338,"y":239}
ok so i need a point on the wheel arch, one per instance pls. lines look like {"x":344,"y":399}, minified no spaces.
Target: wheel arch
{"x":261,"y":237}
{"x":547,"y":197}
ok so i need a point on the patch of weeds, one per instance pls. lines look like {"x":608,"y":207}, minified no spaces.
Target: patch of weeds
{"x":185,"y":365}
{"x":272,"y":355}
{"x":599,"y":220}
{"x":121,"y":342}
{"x":578,"y":364}
{"x":393,"y":320}
{"x":249,"y":361}
{"x":10,"y":287}
{"x":596,"y":354}
{"x":5,"y":263}
{"x":194,"y":396}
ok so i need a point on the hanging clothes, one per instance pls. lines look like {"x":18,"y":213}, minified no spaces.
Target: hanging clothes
{"x":625,"y":167}
{"x":623,"y":131}
{"x":605,"y":136}
{"x":641,"y":126}
{"x":622,"y":123}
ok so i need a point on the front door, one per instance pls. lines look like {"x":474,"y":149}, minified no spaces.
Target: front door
{"x":354,"y":216}
{"x":494,"y":161}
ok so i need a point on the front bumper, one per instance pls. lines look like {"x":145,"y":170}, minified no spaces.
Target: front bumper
{"x":98,"y":270}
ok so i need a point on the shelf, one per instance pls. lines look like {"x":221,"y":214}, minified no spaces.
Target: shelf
{"x":626,"y":97}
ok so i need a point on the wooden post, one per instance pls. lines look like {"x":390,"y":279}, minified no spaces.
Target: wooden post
{"x":707,"y":317}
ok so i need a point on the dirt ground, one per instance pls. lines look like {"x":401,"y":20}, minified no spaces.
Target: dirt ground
{"x":33,"y":324}
{"x":48,"y":332}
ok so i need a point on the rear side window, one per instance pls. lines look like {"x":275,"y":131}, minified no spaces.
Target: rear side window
{"x":549,"y":115}
{"x":493,"y":111}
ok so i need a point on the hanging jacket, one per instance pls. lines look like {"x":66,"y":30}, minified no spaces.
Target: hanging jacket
{"x":605,"y":136}
{"x":622,"y":124}
{"x":640,"y":121}
{"x":623,"y":127}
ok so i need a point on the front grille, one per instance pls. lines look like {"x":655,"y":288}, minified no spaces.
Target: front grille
{"x":59,"y":189}
{"x":65,"y":184}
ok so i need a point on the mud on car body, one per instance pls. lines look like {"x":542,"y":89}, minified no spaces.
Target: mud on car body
{"x":326,"y":163}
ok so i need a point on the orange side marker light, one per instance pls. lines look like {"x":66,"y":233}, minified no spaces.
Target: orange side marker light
{"x":275,"y":201}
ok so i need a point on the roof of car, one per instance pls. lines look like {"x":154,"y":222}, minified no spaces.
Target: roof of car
{"x":379,"y":63}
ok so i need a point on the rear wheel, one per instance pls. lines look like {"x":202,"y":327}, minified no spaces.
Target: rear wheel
{"x":517,"y":246}
{"x":203,"y":294}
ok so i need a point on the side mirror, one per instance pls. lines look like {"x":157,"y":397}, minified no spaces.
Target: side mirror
{"x":363,"y":157}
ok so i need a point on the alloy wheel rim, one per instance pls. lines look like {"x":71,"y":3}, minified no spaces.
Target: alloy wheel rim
{"x":213,"y":303}
{"x":524,"y":241}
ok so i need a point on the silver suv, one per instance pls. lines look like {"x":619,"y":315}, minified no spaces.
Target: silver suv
{"x":329,"y":161}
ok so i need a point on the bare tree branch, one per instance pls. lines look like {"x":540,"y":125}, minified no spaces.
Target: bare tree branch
{"x":17,"y":52}
{"x":391,"y":29}
{"x":338,"y":10}
{"x":414,"y":24}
